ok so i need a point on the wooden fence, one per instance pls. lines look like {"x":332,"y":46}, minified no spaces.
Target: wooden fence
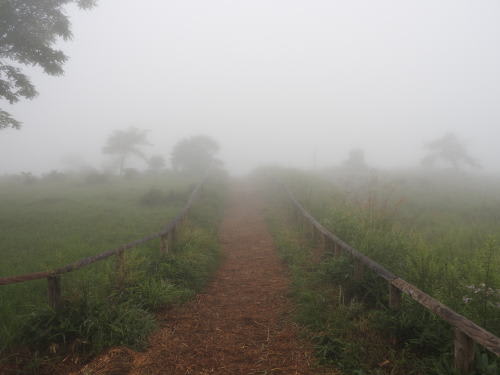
{"x":466,"y":332}
{"x":167,"y":238}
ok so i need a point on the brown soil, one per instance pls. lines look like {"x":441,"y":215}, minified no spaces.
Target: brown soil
{"x":240,"y":325}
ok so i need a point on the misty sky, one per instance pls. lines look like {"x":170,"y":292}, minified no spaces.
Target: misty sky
{"x":271,"y":80}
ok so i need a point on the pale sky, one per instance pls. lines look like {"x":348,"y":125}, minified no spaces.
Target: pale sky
{"x":274,"y":81}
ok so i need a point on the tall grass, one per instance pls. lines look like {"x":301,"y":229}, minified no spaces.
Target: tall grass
{"x":446,"y":246}
{"x":51,"y":225}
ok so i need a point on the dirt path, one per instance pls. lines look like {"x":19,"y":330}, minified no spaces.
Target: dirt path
{"x":241,"y":323}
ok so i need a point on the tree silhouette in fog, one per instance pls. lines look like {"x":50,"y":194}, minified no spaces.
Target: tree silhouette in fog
{"x":156,"y":163}
{"x":356,"y":160}
{"x":28,"y":31}
{"x":194,"y":154}
{"x":450,"y":150}
{"x":126,"y":143}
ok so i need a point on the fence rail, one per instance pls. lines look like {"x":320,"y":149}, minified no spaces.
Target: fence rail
{"x":167,"y":240}
{"x":466,"y":332}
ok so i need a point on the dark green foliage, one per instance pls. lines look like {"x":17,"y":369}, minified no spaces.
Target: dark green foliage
{"x":436,"y":236}
{"x":188,"y":271}
{"x":198,"y":261}
{"x":328,"y":348}
{"x":101,"y":309}
{"x":485,"y":365}
{"x":154,"y":293}
{"x":349,"y":321}
{"x":321,"y":306}
{"x":92,"y":320}
{"x":415,"y":328}
{"x":87,"y":325}
{"x":28,"y":31}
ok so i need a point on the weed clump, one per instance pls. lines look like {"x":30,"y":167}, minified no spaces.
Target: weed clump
{"x":87,"y":326}
{"x":153,"y":294}
{"x":348,"y":317}
{"x":104,"y":305}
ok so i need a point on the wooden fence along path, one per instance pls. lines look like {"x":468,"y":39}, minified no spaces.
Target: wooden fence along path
{"x":466,"y":332}
{"x":167,"y":240}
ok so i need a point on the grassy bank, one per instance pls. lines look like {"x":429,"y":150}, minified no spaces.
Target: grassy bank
{"x":50,"y":226}
{"x":349,"y":319}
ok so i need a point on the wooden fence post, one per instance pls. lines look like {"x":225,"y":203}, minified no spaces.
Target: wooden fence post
{"x":54,"y":291}
{"x":120,"y":267}
{"x":328,"y":245}
{"x":164,"y":244}
{"x":394,"y":297}
{"x":313,"y":234}
{"x":290,"y":211}
{"x":322,"y":242}
{"x":464,"y":352}
{"x":336,"y":250}
{"x":173,"y":237}
{"x":359,"y":270}
{"x":300,"y":224}
{"x":303,"y":226}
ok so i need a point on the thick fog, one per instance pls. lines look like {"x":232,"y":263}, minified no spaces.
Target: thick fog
{"x":298,"y":83}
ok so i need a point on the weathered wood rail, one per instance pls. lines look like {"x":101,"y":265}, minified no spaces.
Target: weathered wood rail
{"x":167,"y":238}
{"x":466,"y":332}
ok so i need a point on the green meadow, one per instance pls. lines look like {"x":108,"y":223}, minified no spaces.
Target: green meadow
{"x":439,"y":231}
{"x":49,"y":223}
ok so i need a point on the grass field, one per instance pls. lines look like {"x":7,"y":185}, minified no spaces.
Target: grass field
{"x":438,"y":231}
{"x":48,"y":224}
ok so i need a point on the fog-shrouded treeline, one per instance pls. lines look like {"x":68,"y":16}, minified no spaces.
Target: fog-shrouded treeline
{"x":128,"y":152}
{"x":127,"y":155}
{"x":55,"y":219}
{"x":311,"y":82}
{"x":382,"y":117}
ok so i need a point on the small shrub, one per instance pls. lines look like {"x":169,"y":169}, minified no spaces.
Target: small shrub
{"x":414,"y":328}
{"x":87,"y":325}
{"x":485,"y":364}
{"x":153,"y":294}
